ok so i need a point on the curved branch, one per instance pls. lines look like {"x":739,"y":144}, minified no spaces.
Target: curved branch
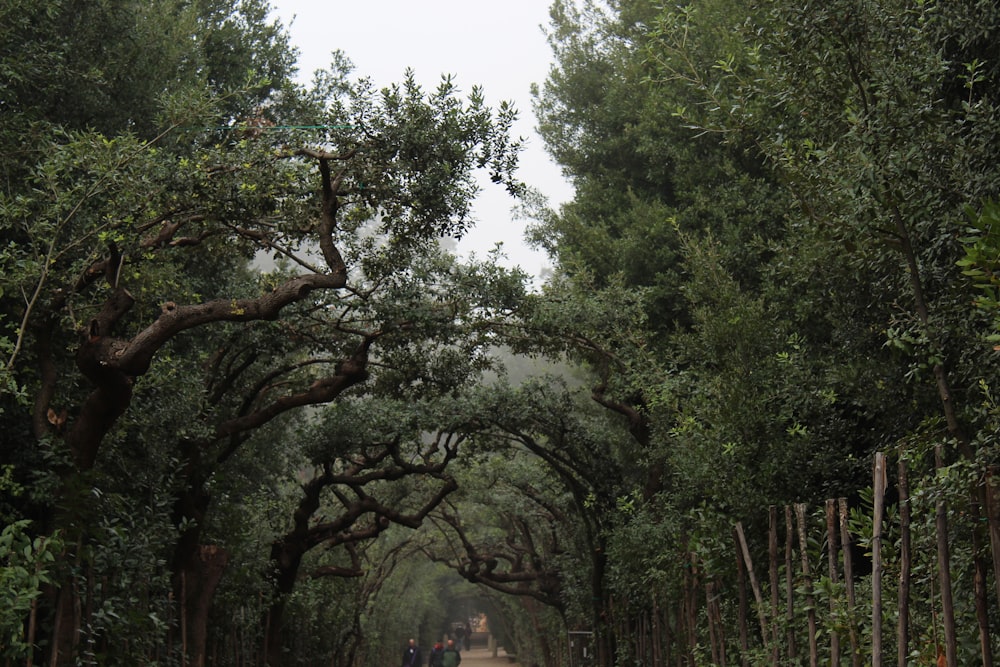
{"x":138,"y":353}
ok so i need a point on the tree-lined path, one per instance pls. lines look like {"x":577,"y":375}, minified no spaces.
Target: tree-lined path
{"x":254,"y":411}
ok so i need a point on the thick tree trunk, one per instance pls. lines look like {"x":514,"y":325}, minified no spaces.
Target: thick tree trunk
{"x":64,"y":632}
{"x":286,"y":557}
{"x":602,"y":628}
{"x":199,"y":582}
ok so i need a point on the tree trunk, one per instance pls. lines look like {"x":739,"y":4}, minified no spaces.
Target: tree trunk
{"x":201,"y":580}
{"x":286,"y":557}
{"x":64,"y":631}
{"x":602,"y":630}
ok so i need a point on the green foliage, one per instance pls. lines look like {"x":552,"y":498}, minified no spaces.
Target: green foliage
{"x":26,"y":565}
{"x":189,"y":193}
{"x":982,"y":260}
{"x":105,"y":65}
{"x":795,"y":190}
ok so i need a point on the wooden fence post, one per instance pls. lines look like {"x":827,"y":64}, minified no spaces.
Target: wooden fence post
{"x":741,"y":582}
{"x":879,"y":483}
{"x":716,"y":636}
{"x":831,"y":558}
{"x":993,"y":518}
{"x":772,"y":551}
{"x":800,"y":515}
{"x":845,"y":545}
{"x":944,"y":572}
{"x":903,"y":627}
{"x":691,"y":607}
{"x":789,"y":586}
{"x":754,"y":584}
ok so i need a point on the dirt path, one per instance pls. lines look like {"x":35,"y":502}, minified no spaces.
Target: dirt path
{"x":483,"y":657}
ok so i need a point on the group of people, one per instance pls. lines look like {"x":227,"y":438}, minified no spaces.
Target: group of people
{"x":441,"y":655}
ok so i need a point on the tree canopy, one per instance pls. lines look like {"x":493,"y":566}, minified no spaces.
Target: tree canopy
{"x":249,"y":400}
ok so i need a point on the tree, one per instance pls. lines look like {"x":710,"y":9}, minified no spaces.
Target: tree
{"x":640,"y":175}
{"x":378,"y":466}
{"x":785,"y":186}
{"x":111,"y":226}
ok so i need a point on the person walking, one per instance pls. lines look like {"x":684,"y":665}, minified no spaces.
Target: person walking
{"x":436,"y":655}
{"x":451,"y":657}
{"x":411,"y":655}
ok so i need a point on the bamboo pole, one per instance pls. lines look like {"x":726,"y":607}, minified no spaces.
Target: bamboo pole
{"x":944,"y":572}
{"x":903,"y":605}
{"x":878,"y":485}
{"x":831,"y":557}
{"x":800,"y":515}
{"x":845,"y":545}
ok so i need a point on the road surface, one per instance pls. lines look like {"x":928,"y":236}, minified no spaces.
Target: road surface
{"x":483,"y":657}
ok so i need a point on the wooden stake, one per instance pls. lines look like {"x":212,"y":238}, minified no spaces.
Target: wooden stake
{"x":713,"y":638}
{"x":878,"y":485}
{"x":691,"y":588}
{"x":789,"y":586}
{"x":183,"y":602}
{"x":754,"y":584}
{"x":903,"y":607}
{"x":772,"y":552}
{"x":944,"y":573}
{"x":800,"y":515}
{"x":845,"y":545}
{"x":741,"y":582}
{"x":993,"y":518}
{"x":831,"y":558}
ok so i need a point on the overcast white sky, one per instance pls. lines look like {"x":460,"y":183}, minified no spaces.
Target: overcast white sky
{"x":498,"y":45}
